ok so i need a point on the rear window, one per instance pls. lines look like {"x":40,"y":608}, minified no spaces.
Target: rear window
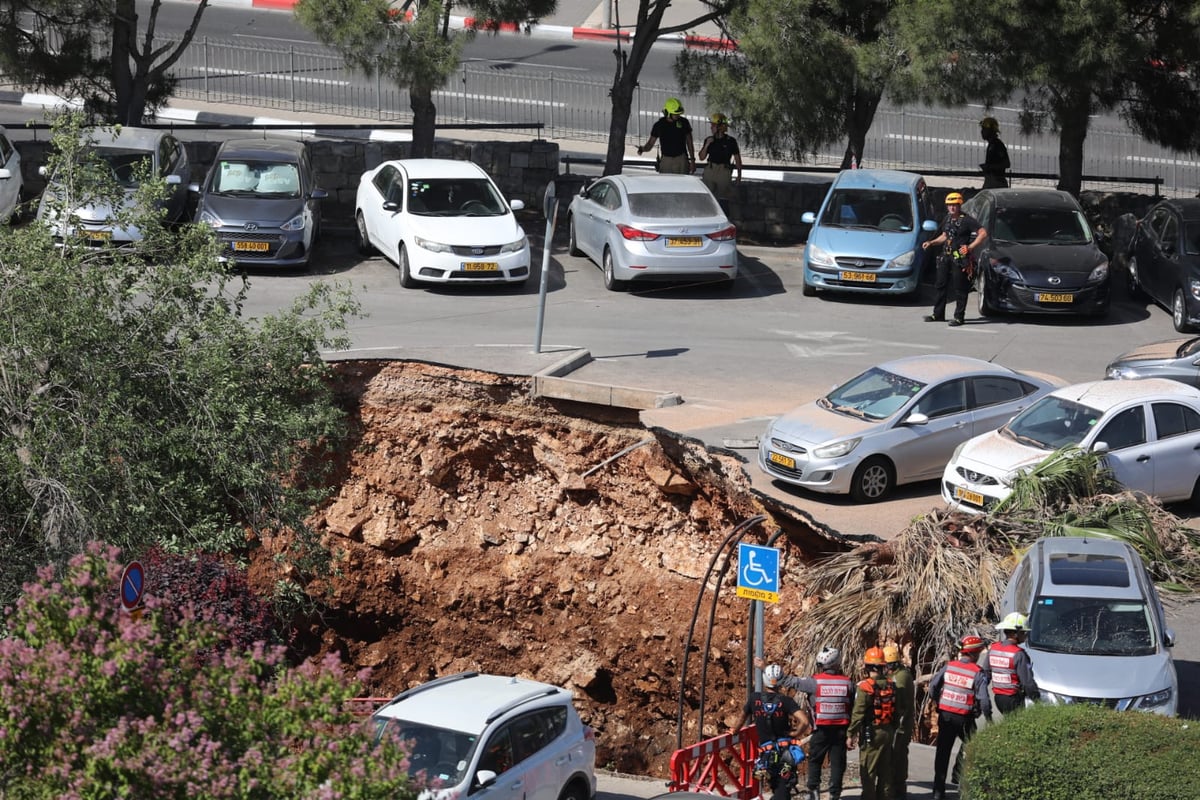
{"x":671,"y":205}
{"x":1088,"y":570}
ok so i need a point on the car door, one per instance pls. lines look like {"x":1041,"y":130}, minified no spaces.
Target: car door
{"x":386,"y":186}
{"x":1151,"y":262}
{"x":1176,"y":454}
{"x":924,"y":453}
{"x":312,"y":206}
{"x":588,"y":219}
{"x":1130,"y":454}
{"x":10,"y":187}
{"x":172,"y":160}
{"x":520,"y":754}
{"x":995,"y":399}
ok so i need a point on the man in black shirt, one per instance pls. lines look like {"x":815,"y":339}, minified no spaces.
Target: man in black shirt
{"x":995,"y":162}
{"x":674,"y":133}
{"x":961,"y":235}
{"x":778,"y":719}
{"x":720,"y":153}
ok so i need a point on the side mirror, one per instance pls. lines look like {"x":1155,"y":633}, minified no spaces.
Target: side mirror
{"x":808,"y":217}
{"x":929,"y":226}
{"x":1169,"y":637}
{"x":516,"y":205}
{"x":391,"y":205}
{"x":174,"y":180}
{"x":916,"y":418}
{"x":1168,"y":248}
{"x":5,"y":174}
{"x":484,"y":777}
{"x":45,"y":173}
{"x":1100,"y":447}
{"x":319,"y":194}
{"x":194,"y":188}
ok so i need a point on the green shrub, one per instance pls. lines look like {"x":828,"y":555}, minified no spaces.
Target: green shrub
{"x":1083,"y":752}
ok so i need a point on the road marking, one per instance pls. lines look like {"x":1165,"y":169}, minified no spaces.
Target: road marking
{"x":525,"y":64}
{"x":1165,"y":161}
{"x":274,"y":76}
{"x":936,"y":140}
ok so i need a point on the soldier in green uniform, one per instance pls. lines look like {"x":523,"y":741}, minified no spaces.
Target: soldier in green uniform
{"x":873,"y":727}
{"x":906,"y":713}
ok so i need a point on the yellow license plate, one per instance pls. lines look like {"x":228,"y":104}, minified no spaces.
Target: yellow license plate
{"x":98,"y":236}
{"x":683,"y":241}
{"x":861,"y":277}
{"x":480,"y":266}
{"x":971,"y":497}
{"x":782,"y":460}
{"x":252,"y":247}
{"x":1055,"y":298}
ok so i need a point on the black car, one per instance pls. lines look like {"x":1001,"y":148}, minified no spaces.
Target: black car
{"x":1164,"y":260}
{"x":1040,"y":255}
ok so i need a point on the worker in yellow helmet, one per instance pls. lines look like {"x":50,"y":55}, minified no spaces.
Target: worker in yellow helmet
{"x":995,"y":164}
{"x":906,"y":714}
{"x":673,"y":133}
{"x":961,"y":235}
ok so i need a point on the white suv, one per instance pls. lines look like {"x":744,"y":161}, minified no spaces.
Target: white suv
{"x":493,"y":737}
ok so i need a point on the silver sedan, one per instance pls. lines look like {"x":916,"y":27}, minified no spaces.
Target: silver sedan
{"x":653,"y":228}
{"x":1177,"y":359}
{"x":896,"y":423}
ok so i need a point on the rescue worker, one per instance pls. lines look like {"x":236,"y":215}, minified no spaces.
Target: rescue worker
{"x":1008,"y":667}
{"x":995,"y":161}
{"x":906,"y":719}
{"x":779,"y":720}
{"x":720,"y":153}
{"x":831,"y":694}
{"x":873,"y":723}
{"x":960,"y":691}
{"x":674,"y":133}
{"x":961,"y":235}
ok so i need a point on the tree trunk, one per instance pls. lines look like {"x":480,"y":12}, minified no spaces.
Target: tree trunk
{"x":629,"y":67}
{"x":859,"y":117}
{"x":124,"y":41}
{"x":1073,"y":119}
{"x":420,"y":100}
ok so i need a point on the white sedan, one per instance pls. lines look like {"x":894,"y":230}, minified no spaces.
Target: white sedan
{"x":1149,"y":431}
{"x":653,"y":227}
{"x":440,"y":221}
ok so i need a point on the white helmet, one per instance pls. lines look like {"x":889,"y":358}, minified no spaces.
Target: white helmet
{"x":1015,"y":621}
{"x":829,"y":658}
{"x":772,"y":675}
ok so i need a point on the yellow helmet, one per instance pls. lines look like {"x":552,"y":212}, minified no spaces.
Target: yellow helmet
{"x":954,"y":199}
{"x":672,"y":106}
{"x":874,"y":657}
{"x":1015,"y":621}
{"x":719,"y":119}
{"x":989,"y":124}
{"x":891,"y":654}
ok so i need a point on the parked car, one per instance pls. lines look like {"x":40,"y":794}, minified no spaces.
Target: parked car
{"x":440,"y":221}
{"x":1164,"y":260}
{"x":492,"y":737}
{"x":641,"y":228}
{"x":1176,"y":359}
{"x":1148,"y":430}
{"x":867,"y":235}
{"x":125,"y":149}
{"x":262,"y":202}
{"x":896,"y":423}
{"x":1098,"y":633}
{"x":12,"y":186}
{"x":1040,"y":255}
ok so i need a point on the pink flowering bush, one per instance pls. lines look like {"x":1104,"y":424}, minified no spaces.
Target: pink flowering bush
{"x":97,"y":704}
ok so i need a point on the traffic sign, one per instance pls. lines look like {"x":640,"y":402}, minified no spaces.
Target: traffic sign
{"x":133,"y":585}
{"x":758,"y":573}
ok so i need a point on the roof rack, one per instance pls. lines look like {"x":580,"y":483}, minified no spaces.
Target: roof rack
{"x":458,"y":676}
{"x":525,"y":698}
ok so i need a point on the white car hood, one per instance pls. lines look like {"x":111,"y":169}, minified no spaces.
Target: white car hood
{"x":468,"y":231}
{"x":1102,"y":676}
{"x":815,"y":425}
{"x":997,"y":455}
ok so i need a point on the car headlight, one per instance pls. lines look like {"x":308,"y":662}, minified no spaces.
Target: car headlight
{"x":957,"y":450}
{"x":818,"y":257}
{"x":837,"y":449}
{"x":1008,"y":271}
{"x":905,"y":260}
{"x":514,"y":247}
{"x":296,"y":223}
{"x":1154,"y":700}
{"x":433,"y":247}
{"x":1116,"y":373}
{"x":1099,"y":274}
{"x":1194,"y":285}
{"x":211,"y":219}
{"x":1011,"y":476}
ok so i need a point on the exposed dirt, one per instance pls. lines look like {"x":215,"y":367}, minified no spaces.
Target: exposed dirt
{"x":479,"y":529}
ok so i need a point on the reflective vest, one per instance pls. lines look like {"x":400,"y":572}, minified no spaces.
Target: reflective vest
{"x":831,"y":702}
{"x":1002,"y":661}
{"x":883,"y":700}
{"x":958,"y":688}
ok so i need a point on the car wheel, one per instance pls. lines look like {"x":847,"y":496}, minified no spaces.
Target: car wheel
{"x":610,"y":280}
{"x":808,"y":291}
{"x":873,"y":480}
{"x":364,"y":241}
{"x":1135,"y":285}
{"x":1179,"y":312}
{"x":985,"y":308}
{"x":572,"y":242}
{"x":406,"y":278}
{"x":1194,"y":500}
{"x":572,"y":792}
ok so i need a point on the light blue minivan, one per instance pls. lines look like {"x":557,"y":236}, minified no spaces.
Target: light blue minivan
{"x":867,"y":236}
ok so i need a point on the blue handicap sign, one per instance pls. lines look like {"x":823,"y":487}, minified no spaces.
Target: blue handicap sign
{"x":758,"y":572}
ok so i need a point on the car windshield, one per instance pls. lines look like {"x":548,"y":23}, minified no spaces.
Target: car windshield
{"x":869,"y":208}
{"x":242,"y":178}
{"x":126,"y":165}
{"x":439,"y":755}
{"x":874,"y":395}
{"x":1091,"y":626}
{"x":455,"y":197}
{"x":673,"y":205}
{"x":1041,"y":226}
{"x":1051,"y":423}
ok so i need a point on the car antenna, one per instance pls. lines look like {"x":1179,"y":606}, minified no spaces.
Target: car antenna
{"x":996,"y":355}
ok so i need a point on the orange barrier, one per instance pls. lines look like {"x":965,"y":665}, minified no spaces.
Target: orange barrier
{"x":723,"y":766}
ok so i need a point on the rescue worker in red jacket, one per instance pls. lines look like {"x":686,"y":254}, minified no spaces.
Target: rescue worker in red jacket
{"x":1008,"y":667}
{"x":873,"y":723}
{"x":960,"y":690}
{"x":831,"y":694}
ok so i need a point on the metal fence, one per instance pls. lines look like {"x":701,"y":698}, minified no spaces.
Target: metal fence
{"x":307,"y":80}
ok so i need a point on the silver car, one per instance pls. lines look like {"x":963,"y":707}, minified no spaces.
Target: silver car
{"x":1098,"y":633}
{"x":896,"y":423}
{"x":1176,"y":359}
{"x":12,"y":188}
{"x":653,"y":228}
{"x":261,"y":201}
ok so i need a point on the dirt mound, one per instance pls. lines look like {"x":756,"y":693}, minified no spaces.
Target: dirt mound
{"x":476,"y":528}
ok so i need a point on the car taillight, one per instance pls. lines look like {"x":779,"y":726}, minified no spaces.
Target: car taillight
{"x":635,"y":235}
{"x":724,"y":235}
{"x":589,"y":734}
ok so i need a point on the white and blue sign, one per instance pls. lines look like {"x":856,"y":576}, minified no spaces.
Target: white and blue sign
{"x":758,"y":573}
{"x":133,"y":585}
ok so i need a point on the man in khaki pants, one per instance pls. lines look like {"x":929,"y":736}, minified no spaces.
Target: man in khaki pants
{"x":720,"y":153}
